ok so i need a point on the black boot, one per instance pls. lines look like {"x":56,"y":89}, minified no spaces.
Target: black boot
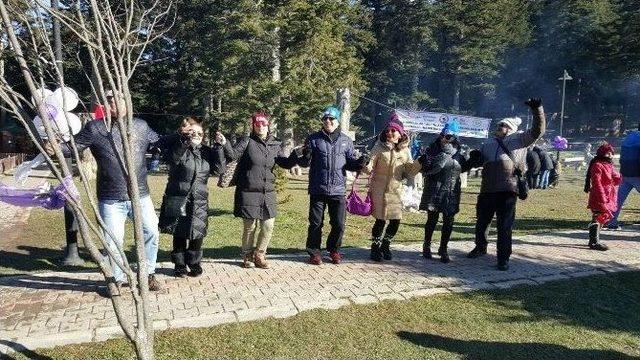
{"x":477,"y":252}
{"x":442,"y":252}
{"x":71,"y":255}
{"x":386,"y":251}
{"x":180,"y":269}
{"x":426,"y":250}
{"x":193,"y":258}
{"x":594,"y":238}
{"x":376,"y":253}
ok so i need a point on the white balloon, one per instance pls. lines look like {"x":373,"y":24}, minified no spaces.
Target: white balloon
{"x":52,"y":100}
{"x":70,"y":98}
{"x":43,"y":94}
{"x":67,"y":121}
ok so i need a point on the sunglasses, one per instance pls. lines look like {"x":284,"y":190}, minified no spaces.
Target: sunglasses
{"x":328,"y":118}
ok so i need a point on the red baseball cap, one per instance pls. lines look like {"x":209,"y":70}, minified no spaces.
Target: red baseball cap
{"x":260,"y":119}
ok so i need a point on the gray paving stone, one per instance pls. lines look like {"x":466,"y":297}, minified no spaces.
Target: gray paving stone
{"x":227,"y":293}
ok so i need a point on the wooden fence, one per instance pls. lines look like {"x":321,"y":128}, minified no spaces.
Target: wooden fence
{"x":8,"y":161}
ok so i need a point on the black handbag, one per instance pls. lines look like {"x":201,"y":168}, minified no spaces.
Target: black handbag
{"x":523,"y":187}
{"x":174,"y":207}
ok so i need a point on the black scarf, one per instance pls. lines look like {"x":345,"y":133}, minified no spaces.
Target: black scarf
{"x":587,"y":180}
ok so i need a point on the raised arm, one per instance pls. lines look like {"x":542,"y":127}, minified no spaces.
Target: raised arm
{"x":217,"y":160}
{"x":304,"y":154}
{"x":234,"y":152}
{"x":538,"y":126}
{"x":412,"y":167}
{"x":286,"y":162}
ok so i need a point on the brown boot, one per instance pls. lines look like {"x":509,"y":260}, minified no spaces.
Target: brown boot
{"x":247,"y":259}
{"x":260,"y":261}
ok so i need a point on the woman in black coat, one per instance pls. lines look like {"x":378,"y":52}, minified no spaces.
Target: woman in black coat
{"x":255,"y":194}
{"x":442,"y":165}
{"x":185,"y":205}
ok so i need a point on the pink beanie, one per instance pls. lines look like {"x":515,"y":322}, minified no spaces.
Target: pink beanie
{"x":396,"y":125}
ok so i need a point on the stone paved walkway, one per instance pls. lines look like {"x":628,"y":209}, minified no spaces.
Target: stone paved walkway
{"x":58,"y":308}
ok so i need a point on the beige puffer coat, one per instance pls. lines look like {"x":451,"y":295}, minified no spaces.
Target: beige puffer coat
{"x":388,"y":167}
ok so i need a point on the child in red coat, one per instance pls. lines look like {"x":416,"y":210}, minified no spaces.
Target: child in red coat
{"x":602,"y":185}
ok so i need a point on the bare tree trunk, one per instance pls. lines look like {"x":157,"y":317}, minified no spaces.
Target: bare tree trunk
{"x":3,"y":112}
{"x":114,"y":56}
{"x":343,"y":100}
{"x":275,"y":56}
{"x":456,"y":92}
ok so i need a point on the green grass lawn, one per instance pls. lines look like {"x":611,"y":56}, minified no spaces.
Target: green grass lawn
{"x":588,"y":318}
{"x":42,"y":239}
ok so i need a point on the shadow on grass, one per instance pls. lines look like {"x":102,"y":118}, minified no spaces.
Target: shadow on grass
{"x":21,"y":350}
{"x":476,"y":349}
{"x":31,"y":258}
{"x":603,"y":303}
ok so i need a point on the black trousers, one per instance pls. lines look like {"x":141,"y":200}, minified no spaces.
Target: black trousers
{"x":532,"y":180}
{"x":70,"y":225}
{"x":391,"y":231}
{"x":183,"y":255}
{"x":430,"y":226}
{"x":503,"y":205}
{"x":337,"y":216}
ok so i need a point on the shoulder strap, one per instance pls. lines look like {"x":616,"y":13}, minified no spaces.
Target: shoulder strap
{"x":509,"y":154}
{"x":505,"y":149}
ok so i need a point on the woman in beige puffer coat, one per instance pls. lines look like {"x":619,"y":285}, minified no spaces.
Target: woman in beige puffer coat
{"x":390,"y":163}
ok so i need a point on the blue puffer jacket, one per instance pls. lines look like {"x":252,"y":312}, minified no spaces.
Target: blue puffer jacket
{"x":328,"y":162}
{"x":630,"y":155}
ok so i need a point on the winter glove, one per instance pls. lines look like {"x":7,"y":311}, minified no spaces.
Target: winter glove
{"x":475,"y":158}
{"x":534,"y":103}
{"x":422,"y":159}
{"x":299,"y":151}
{"x":364,"y":160}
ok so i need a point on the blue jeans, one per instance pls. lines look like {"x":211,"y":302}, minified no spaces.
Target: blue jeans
{"x":543,"y":179}
{"x":114,"y":213}
{"x":628,"y":184}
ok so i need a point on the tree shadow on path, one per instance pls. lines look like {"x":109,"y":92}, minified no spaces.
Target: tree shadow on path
{"x":21,"y":350}
{"x":476,"y":349}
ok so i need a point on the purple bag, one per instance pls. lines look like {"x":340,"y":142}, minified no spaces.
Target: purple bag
{"x":355,"y":204}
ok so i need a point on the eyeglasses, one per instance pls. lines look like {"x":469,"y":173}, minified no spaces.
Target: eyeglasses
{"x":329,"y":118}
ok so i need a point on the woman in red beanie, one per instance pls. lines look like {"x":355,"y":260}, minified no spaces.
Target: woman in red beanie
{"x":602,"y":185}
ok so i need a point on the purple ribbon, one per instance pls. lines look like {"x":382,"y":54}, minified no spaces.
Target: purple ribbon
{"x":54,"y":198}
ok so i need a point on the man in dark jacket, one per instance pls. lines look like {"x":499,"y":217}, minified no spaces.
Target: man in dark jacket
{"x":499,"y":187}
{"x":533,"y":168}
{"x":329,"y":154}
{"x":546,"y":165}
{"x":114,"y":204}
